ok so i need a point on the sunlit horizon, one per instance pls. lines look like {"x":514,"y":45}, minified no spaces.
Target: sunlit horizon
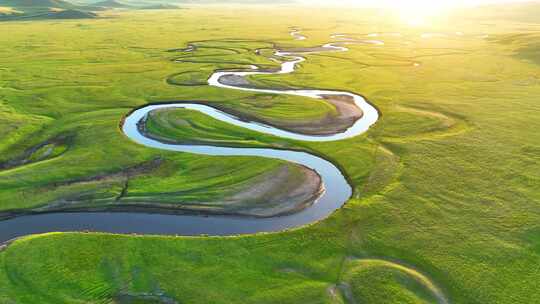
{"x":415,"y":12}
{"x":402,"y":3}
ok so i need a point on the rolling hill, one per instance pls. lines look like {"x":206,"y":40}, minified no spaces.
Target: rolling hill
{"x":71,"y":14}
{"x":161,"y":6}
{"x":48,"y":9}
{"x":111,"y":4}
{"x":36,"y":3}
{"x":150,"y":3}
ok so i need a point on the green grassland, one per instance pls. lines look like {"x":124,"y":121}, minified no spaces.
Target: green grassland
{"x":445,"y":205}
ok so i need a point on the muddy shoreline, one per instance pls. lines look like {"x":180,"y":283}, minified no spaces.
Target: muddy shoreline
{"x":347,"y":114}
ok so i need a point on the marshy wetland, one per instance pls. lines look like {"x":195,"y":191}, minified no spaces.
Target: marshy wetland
{"x":194,"y":121}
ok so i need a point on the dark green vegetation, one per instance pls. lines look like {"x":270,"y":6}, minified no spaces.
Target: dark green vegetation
{"x":446,"y":197}
{"x":23,"y":10}
{"x":11,"y":10}
{"x":37,"y":3}
{"x":71,"y":14}
{"x":111,"y":3}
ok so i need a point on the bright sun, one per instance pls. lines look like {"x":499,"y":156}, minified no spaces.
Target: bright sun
{"x":419,"y":12}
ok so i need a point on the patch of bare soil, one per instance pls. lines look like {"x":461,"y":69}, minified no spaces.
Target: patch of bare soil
{"x":282,"y":191}
{"x":277,"y":193}
{"x":347,"y":113}
{"x":234,"y":80}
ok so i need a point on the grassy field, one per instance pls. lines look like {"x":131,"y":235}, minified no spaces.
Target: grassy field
{"x":446,"y":202}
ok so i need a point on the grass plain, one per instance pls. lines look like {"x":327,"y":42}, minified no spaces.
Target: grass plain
{"x":445,"y":205}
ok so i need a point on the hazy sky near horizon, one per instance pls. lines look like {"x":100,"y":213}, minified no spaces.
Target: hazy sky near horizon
{"x":393,"y":3}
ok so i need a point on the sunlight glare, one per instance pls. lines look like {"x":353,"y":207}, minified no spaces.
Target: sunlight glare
{"x":419,"y":12}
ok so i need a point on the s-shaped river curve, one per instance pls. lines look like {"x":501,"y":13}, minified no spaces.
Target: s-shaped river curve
{"x":337,"y":190}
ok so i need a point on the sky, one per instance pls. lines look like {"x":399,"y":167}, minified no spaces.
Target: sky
{"x":398,"y":3}
{"x":414,"y":12}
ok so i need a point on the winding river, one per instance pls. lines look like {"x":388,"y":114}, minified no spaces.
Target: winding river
{"x":337,"y":190}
